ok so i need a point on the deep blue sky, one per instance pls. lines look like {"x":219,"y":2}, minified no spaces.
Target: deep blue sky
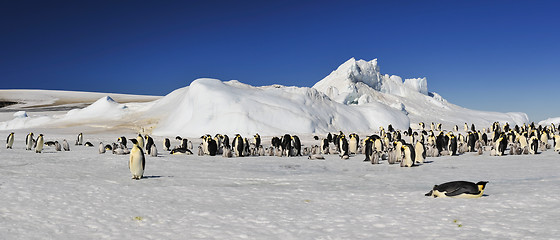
{"x":486,"y":55}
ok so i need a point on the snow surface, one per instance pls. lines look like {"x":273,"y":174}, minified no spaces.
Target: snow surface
{"x":356,"y":97}
{"x":85,"y":195}
{"x":548,"y":121}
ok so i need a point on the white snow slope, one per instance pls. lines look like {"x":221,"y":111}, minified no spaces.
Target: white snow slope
{"x":85,"y":195}
{"x":361,"y":83}
{"x":354,"y":98}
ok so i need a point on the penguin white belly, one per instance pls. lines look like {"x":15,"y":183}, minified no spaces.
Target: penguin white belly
{"x":136,"y":163}
{"x":437,"y":193}
{"x":353,"y":146}
{"x":40,"y":143}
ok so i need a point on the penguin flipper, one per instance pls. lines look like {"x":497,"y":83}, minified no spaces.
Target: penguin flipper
{"x":461,"y":190}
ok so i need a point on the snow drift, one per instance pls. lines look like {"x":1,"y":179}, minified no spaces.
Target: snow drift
{"x":356,"y":97}
{"x":210,"y":106}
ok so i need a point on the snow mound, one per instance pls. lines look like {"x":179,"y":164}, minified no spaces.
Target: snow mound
{"x":20,"y":114}
{"x":213,"y":106}
{"x":549,"y":121}
{"x":104,"y":108}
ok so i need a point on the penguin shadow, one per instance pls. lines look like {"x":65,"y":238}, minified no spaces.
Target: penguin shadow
{"x":153,"y":176}
{"x":428,"y":162}
{"x":485,"y":195}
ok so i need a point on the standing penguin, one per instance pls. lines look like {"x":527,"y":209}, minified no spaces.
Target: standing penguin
{"x":557,"y":143}
{"x":137,"y":161}
{"x":297,"y":145}
{"x":287,"y":145}
{"x":344,"y":153}
{"x":533,"y":145}
{"x":452,"y":145}
{"x":101,"y":148}
{"x":398,"y":149}
{"x":409,"y":155}
{"x":238,"y":145}
{"x":57,"y":146}
{"x":10,"y":141}
{"x":40,"y":142}
{"x":368,"y":148}
{"x":65,"y":145}
{"x":500,"y":146}
{"x":140,"y":140}
{"x":149,"y":143}
{"x":257,"y":140}
{"x":420,"y":151}
{"x":153,"y":150}
{"x":29,"y":141}
{"x":325,"y":146}
{"x":80,"y":139}
{"x":166,"y":144}
{"x":353,"y":143}
{"x":212,"y":147}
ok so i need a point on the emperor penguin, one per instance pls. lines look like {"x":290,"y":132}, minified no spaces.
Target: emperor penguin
{"x":148,"y":144}
{"x":398,"y":150}
{"x":80,"y":139}
{"x":57,"y":146}
{"x":422,"y":125}
{"x":153,"y":150}
{"x":522,"y":141}
{"x":557,"y":142}
{"x":420,"y":151}
{"x":10,"y":141}
{"x":40,"y":142}
{"x":122,"y":140}
{"x":325,"y":146}
{"x":458,"y":189}
{"x":226,"y":152}
{"x":353,"y":143}
{"x":212,"y":147}
{"x":533,"y":145}
{"x":452,"y":145}
{"x":140,"y":141}
{"x":101,"y":148}
{"x":238,"y":145}
{"x":137,"y":162}
{"x":287,"y":145}
{"x":166,"y":144}
{"x":501,"y":145}
{"x":65,"y":145}
{"x":257,"y":140}
{"x":368,"y":148}
{"x":297,"y":145}
{"x":29,"y":141}
{"x":344,"y":154}
{"x":409,"y":155}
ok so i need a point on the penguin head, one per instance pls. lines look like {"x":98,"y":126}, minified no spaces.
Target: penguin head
{"x":481,"y":185}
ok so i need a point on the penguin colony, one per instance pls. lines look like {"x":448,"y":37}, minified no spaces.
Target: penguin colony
{"x":407,"y":148}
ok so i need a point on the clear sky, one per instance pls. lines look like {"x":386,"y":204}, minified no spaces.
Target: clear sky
{"x":486,"y":55}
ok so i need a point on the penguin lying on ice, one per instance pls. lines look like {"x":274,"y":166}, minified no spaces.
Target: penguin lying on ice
{"x":458,"y":189}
